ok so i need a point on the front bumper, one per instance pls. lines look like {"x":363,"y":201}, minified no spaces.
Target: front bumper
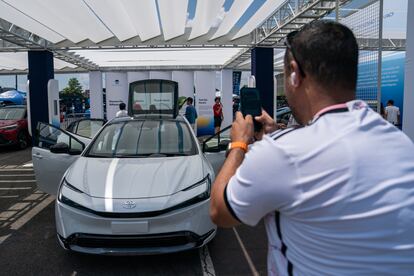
{"x":178,"y":230}
{"x":135,"y":245}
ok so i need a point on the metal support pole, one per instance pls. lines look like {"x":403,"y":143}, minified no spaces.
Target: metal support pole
{"x":337,"y":11}
{"x":16,"y":81}
{"x":379,"y":77}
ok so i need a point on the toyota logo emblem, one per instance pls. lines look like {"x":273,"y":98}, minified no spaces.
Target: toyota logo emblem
{"x":129,"y":204}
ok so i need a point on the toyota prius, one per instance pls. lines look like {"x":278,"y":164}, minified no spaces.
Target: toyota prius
{"x":141,"y":186}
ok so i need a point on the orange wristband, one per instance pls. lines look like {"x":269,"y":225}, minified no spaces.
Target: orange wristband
{"x":241,"y":145}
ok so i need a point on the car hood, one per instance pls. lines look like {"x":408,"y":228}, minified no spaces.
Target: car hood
{"x":7,"y":122}
{"x":134,"y":177}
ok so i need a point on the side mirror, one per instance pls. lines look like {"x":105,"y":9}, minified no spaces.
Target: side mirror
{"x":59,"y":148}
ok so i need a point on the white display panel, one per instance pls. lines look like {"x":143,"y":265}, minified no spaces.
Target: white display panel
{"x":117,"y":88}
{"x":205,"y":86}
{"x":96,"y":94}
{"x":227,"y":97}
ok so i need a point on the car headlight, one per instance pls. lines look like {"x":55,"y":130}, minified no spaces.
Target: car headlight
{"x":65,"y":191}
{"x":10,"y":127}
{"x":205,"y":188}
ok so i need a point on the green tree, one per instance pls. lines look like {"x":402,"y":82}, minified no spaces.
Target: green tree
{"x":74,"y":88}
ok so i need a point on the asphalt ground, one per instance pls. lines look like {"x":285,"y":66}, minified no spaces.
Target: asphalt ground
{"x":28,"y":243}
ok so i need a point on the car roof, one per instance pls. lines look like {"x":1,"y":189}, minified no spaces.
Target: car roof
{"x":148,"y":117}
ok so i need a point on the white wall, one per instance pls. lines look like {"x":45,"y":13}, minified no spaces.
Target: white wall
{"x":137,"y":76}
{"x":408,"y":120}
{"x":96,"y":97}
{"x":160,"y":75}
{"x":116,"y":92}
{"x":227,"y":96}
{"x":185,"y":81}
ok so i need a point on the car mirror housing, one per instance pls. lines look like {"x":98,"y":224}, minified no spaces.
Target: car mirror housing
{"x":59,"y":148}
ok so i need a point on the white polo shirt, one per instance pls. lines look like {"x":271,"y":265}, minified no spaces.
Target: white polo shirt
{"x":343,"y":188}
{"x":392,"y":114}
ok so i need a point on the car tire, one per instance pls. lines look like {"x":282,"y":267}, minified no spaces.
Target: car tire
{"x":22,"y":140}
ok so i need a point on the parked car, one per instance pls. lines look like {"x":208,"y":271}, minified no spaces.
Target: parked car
{"x":140,"y":186}
{"x":14,"y":126}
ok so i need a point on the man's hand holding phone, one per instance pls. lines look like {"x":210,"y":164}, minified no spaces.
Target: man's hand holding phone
{"x":242,"y":129}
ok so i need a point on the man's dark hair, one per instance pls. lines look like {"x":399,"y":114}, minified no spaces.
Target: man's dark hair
{"x":189,"y":100}
{"x":391,"y":102}
{"x":328,"y":52}
{"x":122,"y":106}
{"x":217,"y":98}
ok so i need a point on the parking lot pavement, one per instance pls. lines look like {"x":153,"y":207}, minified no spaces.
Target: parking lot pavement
{"x":10,"y":156}
{"x":28,"y":244}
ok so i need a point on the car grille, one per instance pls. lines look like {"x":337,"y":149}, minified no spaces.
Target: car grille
{"x":141,"y":241}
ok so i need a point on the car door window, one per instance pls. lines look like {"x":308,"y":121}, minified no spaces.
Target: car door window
{"x":88,"y":128}
{"x":48,"y":135}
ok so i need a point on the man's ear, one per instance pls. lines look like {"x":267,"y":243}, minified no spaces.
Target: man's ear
{"x":295,"y":76}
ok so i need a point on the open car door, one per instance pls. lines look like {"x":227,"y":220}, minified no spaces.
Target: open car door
{"x":54,"y":150}
{"x":215,"y":148}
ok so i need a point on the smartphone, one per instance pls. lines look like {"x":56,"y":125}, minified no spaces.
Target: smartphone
{"x":250,"y":104}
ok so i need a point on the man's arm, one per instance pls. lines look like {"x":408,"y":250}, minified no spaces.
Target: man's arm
{"x":241,"y":131}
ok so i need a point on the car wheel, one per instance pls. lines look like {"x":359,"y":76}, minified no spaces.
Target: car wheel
{"x":22,"y":140}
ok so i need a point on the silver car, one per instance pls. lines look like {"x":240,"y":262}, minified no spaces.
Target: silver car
{"x":140,"y":186}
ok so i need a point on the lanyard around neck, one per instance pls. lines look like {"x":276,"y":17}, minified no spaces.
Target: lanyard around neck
{"x":330,"y":109}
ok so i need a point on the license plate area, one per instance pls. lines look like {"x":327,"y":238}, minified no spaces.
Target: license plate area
{"x":129,"y":227}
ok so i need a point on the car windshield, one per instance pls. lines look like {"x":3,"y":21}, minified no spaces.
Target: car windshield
{"x":146,"y":138}
{"x":11,"y":113}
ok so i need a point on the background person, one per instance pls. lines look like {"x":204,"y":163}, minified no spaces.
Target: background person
{"x":191,"y":113}
{"x":392,"y":113}
{"x":218,"y":114}
{"x":336,"y":195}
{"x":122,"y":112}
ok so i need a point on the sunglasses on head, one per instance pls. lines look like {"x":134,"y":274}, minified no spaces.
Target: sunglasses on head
{"x":288,"y":44}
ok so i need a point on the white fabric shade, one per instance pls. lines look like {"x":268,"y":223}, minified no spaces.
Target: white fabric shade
{"x":159,"y":57}
{"x":19,"y":61}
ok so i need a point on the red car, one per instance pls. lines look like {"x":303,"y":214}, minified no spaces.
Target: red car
{"x":14,"y":126}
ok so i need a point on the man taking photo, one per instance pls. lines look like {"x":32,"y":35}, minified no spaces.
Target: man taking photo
{"x":336,"y":195}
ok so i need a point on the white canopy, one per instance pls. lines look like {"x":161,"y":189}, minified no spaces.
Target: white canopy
{"x":76,"y":25}
{"x":18,"y":61}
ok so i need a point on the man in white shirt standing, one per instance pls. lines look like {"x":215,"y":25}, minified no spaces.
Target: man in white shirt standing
{"x":122,"y":112}
{"x":392,"y":113}
{"x":336,"y":195}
